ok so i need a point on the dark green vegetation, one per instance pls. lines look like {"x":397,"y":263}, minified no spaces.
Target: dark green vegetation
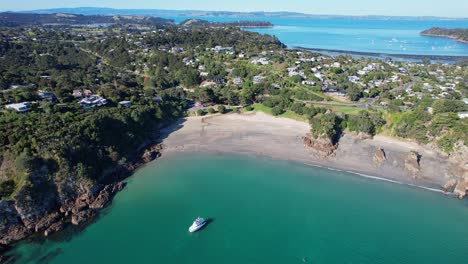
{"x":19,"y":20}
{"x":242,"y":24}
{"x":59,"y":146}
{"x":459,"y":34}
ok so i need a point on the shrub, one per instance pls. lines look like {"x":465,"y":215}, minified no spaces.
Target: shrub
{"x":221,"y":109}
{"x":200,"y":112}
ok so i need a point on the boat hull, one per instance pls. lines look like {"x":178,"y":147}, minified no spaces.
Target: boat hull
{"x":193,"y":229}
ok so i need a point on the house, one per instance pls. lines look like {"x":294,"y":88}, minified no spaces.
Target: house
{"x":219,"y":80}
{"x":125,"y":103}
{"x":87,"y":93}
{"x":157,"y":99}
{"x":237,"y":81}
{"x":258,"y":79}
{"x":20,"y":107}
{"x":463,"y":115}
{"x":48,"y":96}
{"x":77,"y":93}
{"x":308,"y":82}
{"x":204,"y":74}
{"x":353,"y":79}
{"x":92,"y":101}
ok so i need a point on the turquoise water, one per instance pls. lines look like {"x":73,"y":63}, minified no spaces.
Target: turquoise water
{"x":263,"y":211}
{"x":362,"y":35}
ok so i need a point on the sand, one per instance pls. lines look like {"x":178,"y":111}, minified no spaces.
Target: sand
{"x":260,"y":134}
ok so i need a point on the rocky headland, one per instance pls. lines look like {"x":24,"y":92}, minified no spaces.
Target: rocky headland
{"x":458,"y":34}
{"x":46,"y":213}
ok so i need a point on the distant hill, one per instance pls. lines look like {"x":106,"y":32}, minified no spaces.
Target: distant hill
{"x":240,"y":23}
{"x":458,"y":34}
{"x":27,"y":19}
{"x":201,"y":13}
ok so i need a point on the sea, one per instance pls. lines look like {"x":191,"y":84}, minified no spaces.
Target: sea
{"x":261,"y":210}
{"x":398,"y":37}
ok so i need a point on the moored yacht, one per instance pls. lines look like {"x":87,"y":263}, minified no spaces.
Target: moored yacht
{"x":197,"y":224}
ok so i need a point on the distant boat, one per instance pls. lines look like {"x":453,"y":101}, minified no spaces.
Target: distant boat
{"x":197,"y":225}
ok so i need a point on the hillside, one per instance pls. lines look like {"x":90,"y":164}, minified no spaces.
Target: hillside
{"x":240,"y":23}
{"x":21,"y":19}
{"x":458,"y":34}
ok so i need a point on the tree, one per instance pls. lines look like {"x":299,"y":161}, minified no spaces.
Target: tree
{"x":446,"y":106}
{"x":221,"y":109}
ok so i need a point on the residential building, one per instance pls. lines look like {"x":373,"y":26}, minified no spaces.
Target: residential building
{"x":20,"y":107}
{"x":92,"y":101}
{"x":125,"y":103}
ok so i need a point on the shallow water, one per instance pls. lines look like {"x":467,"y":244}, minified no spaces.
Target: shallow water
{"x":361,"y":35}
{"x":263,"y":211}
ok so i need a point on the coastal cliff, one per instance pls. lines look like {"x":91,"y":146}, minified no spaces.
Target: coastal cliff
{"x":48,"y":212}
{"x":458,"y":34}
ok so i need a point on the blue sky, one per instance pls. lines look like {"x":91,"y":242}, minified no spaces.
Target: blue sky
{"x":446,"y":8}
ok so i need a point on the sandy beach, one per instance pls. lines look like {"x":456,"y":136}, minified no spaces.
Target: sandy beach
{"x":280,"y":138}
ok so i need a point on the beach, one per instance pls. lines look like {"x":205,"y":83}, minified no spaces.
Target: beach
{"x":259,"y":134}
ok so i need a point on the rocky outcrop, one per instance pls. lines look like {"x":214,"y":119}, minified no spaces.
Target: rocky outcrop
{"x":322,"y":147}
{"x":105,"y":196}
{"x":11,"y":226}
{"x":51,"y":211}
{"x":379,"y":158}
{"x":412,"y":163}
{"x":82,"y":217}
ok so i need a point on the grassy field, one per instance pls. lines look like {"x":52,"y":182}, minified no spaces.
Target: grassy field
{"x":287,"y":114}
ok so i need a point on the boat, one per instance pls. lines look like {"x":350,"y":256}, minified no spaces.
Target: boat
{"x":197,"y":224}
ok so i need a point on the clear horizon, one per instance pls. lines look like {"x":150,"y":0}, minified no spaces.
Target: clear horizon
{"x":448,"y":8}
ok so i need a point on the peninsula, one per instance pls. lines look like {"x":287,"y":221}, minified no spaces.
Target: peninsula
{"x":458,"y":34}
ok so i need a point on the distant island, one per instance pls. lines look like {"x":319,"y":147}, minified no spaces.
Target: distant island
{"x":240,"y":23}
{"x":458,"y":34}
{"x":204,"y":13}
{"x":26,"y":19}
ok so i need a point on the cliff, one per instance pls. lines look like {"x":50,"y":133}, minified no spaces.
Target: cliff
{"x":35,"y":210}
{"x":458,"y":34}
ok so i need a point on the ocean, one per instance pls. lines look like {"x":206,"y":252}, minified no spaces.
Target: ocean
{"x":262,"y":210}
{"x":360,"y":35}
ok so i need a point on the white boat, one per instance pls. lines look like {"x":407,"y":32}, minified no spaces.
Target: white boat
{"x":197,"y":224}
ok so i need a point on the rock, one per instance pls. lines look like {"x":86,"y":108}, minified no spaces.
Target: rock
{"x":14,"y":233}
{"x":380,"y":157}
{"x":11,"y":226}
{"x":461,"y":189}
{"x":412,"y":163}
{"x":82,"y":217}
{"x":450,"y":185}
{"x":106,"y":195}
{"x":67,"y":207}
{"x":32,"y":204}
{"x":59,"y":226}
{"x":364,"y":136}
{"x":322,"y":147}
{"x":79,"y":206}
{"x":47,"y":221}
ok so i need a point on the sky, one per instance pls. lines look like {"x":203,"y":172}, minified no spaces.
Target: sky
{"x":444,"y":8}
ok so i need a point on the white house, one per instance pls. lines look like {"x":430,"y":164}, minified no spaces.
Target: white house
{"x":20,"y":107}
{"x":125,"y":103}
{"x":92,"y":101}
{"x":463,"y":115}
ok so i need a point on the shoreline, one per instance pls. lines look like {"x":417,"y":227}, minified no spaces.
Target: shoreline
{"x":281,"y":138}
{"x":456,"y":38}
{"x":413,"y":57}
{"x":317,"y":165}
